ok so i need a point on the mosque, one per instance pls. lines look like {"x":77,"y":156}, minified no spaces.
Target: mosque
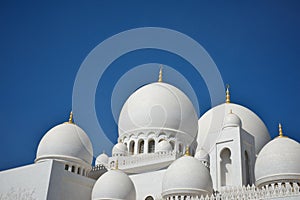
{"x":164,"y":152}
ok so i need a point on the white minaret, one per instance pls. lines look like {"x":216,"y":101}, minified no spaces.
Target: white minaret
{"x":233,"y":155}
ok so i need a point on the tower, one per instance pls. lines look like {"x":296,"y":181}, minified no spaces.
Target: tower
{"x":233,"y":156}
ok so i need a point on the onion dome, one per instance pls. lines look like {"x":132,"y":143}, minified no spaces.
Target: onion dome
{"x":102,"y":159}
{"x":232,"y":120}
{"x":119,"y":149}
{"x":278,"y":161}
{"x":66,"y":142}
{"x":211,"y":123}
{"x":159,"y":106}
{"x":164,"y":146}
{"x":115,"y":185}
{"x":187,"y":176}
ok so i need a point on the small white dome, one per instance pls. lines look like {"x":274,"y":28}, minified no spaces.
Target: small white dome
{"x":102,"y":159}
{"x":278,"y":161}
{"x":232,"y":120}
{"x":211,"y":123}
{"x":115,"y":185}
{"x":159,"y":106}
{"x":202,"y":155}
{"x":66,"y":141}
{"x":120,"y":149}
{"x":164,"y":146}
{"x":187,"y":176}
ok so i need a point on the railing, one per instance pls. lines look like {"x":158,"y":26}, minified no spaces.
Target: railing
{"x":142,"y":159}
{"x":249,"y":193}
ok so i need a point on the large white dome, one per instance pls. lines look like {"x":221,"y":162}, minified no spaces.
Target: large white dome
{"x":115,"y":185}
{"x":278,"y":161}
{"x":158,"y":106}
{"x":187,"y":176}
{"x":66,"y":141}
{"x":211,"y":123}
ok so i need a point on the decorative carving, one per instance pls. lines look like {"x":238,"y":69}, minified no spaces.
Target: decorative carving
{"x":19,"y":194}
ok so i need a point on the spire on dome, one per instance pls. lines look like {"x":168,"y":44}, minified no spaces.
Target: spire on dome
{"x":280,"y":130}
{"x":227,"y":94}
{"x":187,"y":151}
{"x":160,"y":74}
{"x":71,"y":118}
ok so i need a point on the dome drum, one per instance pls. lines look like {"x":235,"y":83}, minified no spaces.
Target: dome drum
{"x":149,"y":143}
{"x":184,"y":192}
{"x":64,"y":159}
{"x":158,"y":133}
{"x":278,"y":178}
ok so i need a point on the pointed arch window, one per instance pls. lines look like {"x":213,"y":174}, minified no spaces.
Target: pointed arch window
{"x":149,"y":198}
{"x":131,"y":147}
{"x":141,"y":146}
{"x":226,"y":167}
{"x":247,"y":169}
{"x":151,"y":146}
{"x":180,"y":148}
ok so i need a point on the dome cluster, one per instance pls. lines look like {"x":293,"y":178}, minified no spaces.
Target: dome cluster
{"x":159,"y":121}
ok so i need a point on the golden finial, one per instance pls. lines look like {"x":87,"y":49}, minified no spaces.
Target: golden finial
{"x":280,"y":130}
{"x":117,"y":164}
{"x":160,"y":74}
{"x":187,"y":151}
{"x":227,"y":94}
{"x":71,"y":118}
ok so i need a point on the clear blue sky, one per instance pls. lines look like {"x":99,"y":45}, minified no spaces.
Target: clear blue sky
{"x":255,"y":45}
